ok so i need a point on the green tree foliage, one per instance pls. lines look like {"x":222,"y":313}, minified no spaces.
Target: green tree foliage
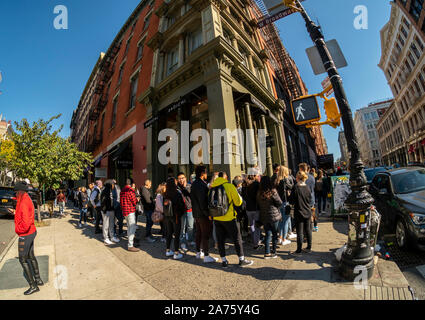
{"x":7,"y":154}
{"x":42,"y":156}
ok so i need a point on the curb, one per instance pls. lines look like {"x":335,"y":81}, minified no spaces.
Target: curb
{"x":8,"y":248}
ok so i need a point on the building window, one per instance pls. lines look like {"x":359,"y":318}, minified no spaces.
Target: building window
{"x":416,"y":8}
{"x":133,"y":91}
{"x":406,"y":23}
{"x":422,"y":81}
{"x":140,"y":47}
{"x":244,"y":54}
{"x":195,"y":40}
{"x":412,"y":59}
{"x":400,"y":39}
{"x":127,"y":46}
{"x":147,"y":21}
{"x":404,"y":32}
{"x":227,"y":36}
{"x":121,"y":73}
{"x":172,"y":60}
{"x":114,"y":113}
{"x":419,"y":43}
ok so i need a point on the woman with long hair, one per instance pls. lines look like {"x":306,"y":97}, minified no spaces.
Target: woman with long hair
{"x":25,"y":229}
{"x":269,"y":203}
{"x":159,"y":208}
{"x":284,"y":185}
{"x":174,"y":209}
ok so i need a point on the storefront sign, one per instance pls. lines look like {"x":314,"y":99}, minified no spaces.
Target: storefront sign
{"x":151,"y":121}
{"x":101,"y":173}
{"x":125,"y":164}
{"x":175,"y":106}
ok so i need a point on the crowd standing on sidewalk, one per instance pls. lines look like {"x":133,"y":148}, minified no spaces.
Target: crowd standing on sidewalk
{"x":256,"y":210}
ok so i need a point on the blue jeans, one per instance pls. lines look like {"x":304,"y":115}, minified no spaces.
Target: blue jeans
{"x":285,"y":224}
{"x":271,"y":234}
{"x":186,"y":234}
{"x":149,"y":223}
{"x":83,"y":215}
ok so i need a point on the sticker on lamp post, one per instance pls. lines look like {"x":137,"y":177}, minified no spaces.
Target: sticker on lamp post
{"x":305,"y":110}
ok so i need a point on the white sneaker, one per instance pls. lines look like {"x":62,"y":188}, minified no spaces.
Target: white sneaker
{"x":279,"y":241}
{"x":292,"y":236}
{"x":108,"y":242}
{"x":286,"y":242}
{"x":178,"y":256}
{"x":209,"y":259}
{"x":200,"y":255}
{"x":80,"y":225}
{"x":115,"y":239}
{"x":169,"y":253}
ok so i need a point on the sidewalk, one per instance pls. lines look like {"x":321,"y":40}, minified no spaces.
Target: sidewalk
{"x":95,"y":271}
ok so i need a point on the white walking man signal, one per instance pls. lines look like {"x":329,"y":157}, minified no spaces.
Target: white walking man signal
{"x":299,"y":111}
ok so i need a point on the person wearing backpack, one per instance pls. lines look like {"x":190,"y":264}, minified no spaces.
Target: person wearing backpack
{"x":173,"y":209}
{"x":108,"y":215}
{"x":222,"y":200}
{"x":203,"y":222}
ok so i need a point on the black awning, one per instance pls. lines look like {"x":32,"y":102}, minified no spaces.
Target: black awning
{"x":119,"y":151}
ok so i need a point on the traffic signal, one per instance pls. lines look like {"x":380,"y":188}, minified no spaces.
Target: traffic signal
{"x":305,"y":110}
{"x":332,"y":113}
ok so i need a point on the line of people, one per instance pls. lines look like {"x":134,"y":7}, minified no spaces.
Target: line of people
{"x":190,"y":213}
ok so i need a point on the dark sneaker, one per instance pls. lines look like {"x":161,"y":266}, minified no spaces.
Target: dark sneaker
{"x":307,"y":250}
{"x":258,"y":247}
{"x":245,"y":263}
{"x":225,"y":264}
{"x":298,"y":252}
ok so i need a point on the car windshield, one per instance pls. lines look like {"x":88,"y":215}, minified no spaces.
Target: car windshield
{"x":370,"y":173}
{"x":408,"y":182}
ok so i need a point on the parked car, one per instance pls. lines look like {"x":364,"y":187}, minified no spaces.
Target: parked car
{"x":400,"y":199}
{"x":416,"y":164}
{"x":371,"y":172}
{"x":7,"y":201}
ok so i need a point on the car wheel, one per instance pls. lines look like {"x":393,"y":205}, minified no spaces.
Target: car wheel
{"x":401,"y":234}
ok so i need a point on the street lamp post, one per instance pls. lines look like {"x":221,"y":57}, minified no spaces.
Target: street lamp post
{"x":359,"y":254}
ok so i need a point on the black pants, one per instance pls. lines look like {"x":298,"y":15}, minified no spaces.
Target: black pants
{"x":203,"y":233}
{"x":303,"y":225}
{"x":26,"y":247}
{"x":230,"y":229}
{"x":98,"y":212}
{"x":120,"y":219}
{"x":172,"y":227}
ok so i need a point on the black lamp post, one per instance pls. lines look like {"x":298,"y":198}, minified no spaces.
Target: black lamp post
{"x":359,"y":252}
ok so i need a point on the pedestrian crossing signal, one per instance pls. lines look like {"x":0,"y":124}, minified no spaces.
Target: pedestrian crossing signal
{"x":305,"y":110}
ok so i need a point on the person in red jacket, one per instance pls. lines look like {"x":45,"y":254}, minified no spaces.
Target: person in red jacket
{"x":25,"y":229}
{"x":128,"y":207}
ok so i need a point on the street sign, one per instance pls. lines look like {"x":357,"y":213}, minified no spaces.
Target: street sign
{"x":336,"y":53}
{"x":305,"y":110}
{"x":277,"y":10}
{"x":325,"y":84}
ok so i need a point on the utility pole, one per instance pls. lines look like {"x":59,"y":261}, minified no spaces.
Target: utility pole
{"x":359,"y":254}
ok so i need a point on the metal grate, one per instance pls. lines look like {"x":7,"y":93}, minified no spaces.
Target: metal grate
{"x":406,"y":258}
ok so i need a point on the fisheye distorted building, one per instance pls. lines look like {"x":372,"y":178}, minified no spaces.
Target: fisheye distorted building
{"x":200,"y":64}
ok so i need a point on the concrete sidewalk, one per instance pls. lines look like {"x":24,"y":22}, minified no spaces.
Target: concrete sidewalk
{"x":75,"y":264}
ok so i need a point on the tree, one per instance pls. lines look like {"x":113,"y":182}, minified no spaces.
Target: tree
{"x":7,"y":154}
{"x":43,"y":156}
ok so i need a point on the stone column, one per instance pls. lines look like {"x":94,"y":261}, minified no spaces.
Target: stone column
{"x":250,"y":137}
{"x":250,"y":63}
{"x":155,"y":68}
{"x":217,"y":78}
{"x":269,"y":163}
{"x":181,"y":49}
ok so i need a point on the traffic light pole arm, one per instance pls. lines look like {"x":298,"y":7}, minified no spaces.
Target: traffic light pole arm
{"x":358,"y":251}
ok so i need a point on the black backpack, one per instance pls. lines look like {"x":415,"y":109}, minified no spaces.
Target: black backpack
{"x":167,"y":208}
{"x":218,"y":204}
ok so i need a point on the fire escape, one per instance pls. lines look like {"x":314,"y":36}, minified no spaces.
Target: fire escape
{"x":100,"y":97}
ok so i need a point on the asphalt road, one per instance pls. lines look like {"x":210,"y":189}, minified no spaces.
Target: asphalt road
{"x":7,"y":232}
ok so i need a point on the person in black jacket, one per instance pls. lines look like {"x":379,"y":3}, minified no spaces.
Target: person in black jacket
{"x":173,"y":223}
{"x":203,"y":221}
{"x":269,"y":203}
{"x":186,"y":234}
{"x":108,"y":215}
{"x":301,"y":199}
{"x":148,"y":208}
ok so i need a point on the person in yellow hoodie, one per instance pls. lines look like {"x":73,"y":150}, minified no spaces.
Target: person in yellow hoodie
{"x":227,"y":225}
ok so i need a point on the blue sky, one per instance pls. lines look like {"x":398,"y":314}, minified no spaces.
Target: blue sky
{"x":45,"y":70}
